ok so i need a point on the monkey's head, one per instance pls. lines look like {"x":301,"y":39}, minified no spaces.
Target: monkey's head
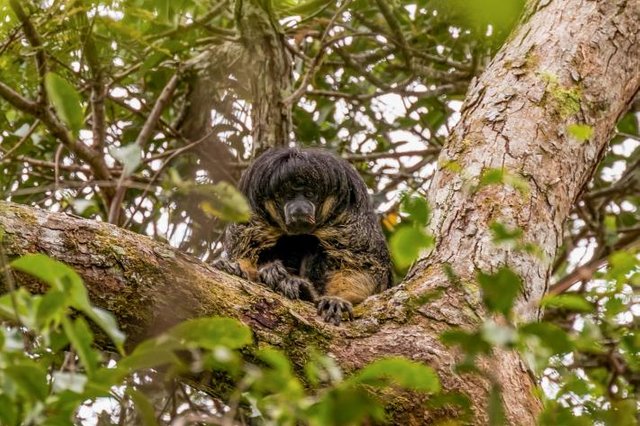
{"x":300,"y":191}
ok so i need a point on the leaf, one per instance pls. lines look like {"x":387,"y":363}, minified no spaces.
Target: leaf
{"x":571,"y":302}
{"x":495,"y":409}
{"x":345,"y":406}
{"x":401,"y":372}
{"x":30,"y":378}
{"x":224,"y":201}
{"x":51,"y":308}
{"x":107,"y":322}
{"x":407,"y":243}
{"x":470,"y":343}
{"x":66,"y":101}
{"x":500,"y":290}
{"x":64,"y":279}
{"x":498,"y":176}
{"x":209,"y":333}
{"x":8,"y":413}
{"x":152,"y":353}
{"x":580,"y":132}
{"x":416,"y":208}
{"x":130,"y":156}
{"x":58,"y":275}
{"x":503,"y":234}
{"x":81,"y":339}
{"x":621,"y":263}
{"x":143,"y":407}
{"x":549,"y":335}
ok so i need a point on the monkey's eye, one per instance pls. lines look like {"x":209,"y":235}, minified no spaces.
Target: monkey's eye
{"x":308,"y":193}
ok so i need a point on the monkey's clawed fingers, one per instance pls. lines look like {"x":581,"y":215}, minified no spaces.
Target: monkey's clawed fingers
{"x":331,"y":308}
{"x":275,"y":276}
{"x":229,"y":267}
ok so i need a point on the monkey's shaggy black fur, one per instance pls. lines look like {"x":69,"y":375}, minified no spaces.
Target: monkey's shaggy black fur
{"x":313,"y":233}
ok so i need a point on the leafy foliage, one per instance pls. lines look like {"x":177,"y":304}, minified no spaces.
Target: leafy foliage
{"x":49,"y":367}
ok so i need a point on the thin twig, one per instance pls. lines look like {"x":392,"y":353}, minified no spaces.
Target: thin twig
{"x":317,"y":60}
{"x":22,"y":140}
{"x":142,"y":139}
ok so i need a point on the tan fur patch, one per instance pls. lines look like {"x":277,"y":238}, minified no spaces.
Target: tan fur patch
{"x":326,"y":208}
{"x":249,"y":268}
{"x":271,"y":208}
{"x":353,"y":286}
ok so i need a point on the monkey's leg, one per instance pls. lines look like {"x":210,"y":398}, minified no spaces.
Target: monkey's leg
{"x":343,"y":290}
{"x":242,"y":268}
{"x":275,"y":276}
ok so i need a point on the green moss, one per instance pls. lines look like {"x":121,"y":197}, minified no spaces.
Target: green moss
{"x":451,"y":165}
{"x":531,"y":61}
{"x":565,"y":101}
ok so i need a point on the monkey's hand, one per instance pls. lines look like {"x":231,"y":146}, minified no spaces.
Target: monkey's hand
{"x":243,"y":268}
{"x":275,"y":276}
{"x":332,"y":308}
{"x":230,"y":267}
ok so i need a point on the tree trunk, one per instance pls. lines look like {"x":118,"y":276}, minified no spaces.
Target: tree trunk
{"x":557,"y":70}
{"x":269,"y":70}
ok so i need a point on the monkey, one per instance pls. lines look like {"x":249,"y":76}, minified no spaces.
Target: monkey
{"x":313,"y":233}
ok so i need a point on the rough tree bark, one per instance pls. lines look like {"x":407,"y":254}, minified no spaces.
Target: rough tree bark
{"x":571,"y":61}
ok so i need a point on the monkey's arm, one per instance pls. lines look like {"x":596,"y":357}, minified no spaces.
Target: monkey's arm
{"x":344,"y":289}
{"x":243,"y":243}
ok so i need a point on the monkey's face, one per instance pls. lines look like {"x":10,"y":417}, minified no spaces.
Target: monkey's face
{"x":300,"y":192}
{"x":299,"y":215}
{"x":293,"y":207}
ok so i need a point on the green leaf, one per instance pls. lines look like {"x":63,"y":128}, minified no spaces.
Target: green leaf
{"x":503,"y":234}
{"x":549,"y":335}
{"x":470,"y":343}
{"x":407,"y":243}
{"x":66,"y":101}
{"x":571,"y":302}
{"x":495,"y":409}
{"x":81,"y":339}
{"x":64,"y":279}
{"x":401,"y":372}
{"x":58,"y":275}
{"x":152,"y":353}
{"x":497,"y":334}
{"x":621,"y":263}
{"x":21,"y":311}
{"x":130,"y":156}
{"x":226,"y":202}
{"x":346,"y":406}
{"x":497,"y":176}
{"x":107,"y":322}
{"x":580,"y":132}
{"x":30,"y":378}
{"x":500,"y":290}
{"x":51,"y":308}
{"x":143,"y":406}
{"x":208,"y":333}
{"x":8,"y":412}
{"x":416,"y":208}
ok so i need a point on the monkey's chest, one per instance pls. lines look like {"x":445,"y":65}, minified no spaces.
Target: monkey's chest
{"x":302,"y":255}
